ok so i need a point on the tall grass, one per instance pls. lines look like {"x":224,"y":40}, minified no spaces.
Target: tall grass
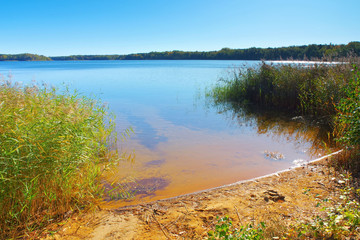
{"x":303,"y":89}
{"x":51,"y":146}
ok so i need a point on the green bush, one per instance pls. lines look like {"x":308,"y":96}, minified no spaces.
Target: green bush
{"x":348,"y":117}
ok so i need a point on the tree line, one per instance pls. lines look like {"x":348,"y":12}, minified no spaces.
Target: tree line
{"x":23,"y":57}
{"x":305,"y":52}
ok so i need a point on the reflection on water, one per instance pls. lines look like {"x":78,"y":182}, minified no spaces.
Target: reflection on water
{"x":154,"y":163}
{"x":278,"y":125}
{"x":139,"y":188}
{"x":150,"y":139}
{"x":192,"y":159}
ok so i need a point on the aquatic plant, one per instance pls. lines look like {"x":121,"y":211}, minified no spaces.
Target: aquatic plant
{"x":52,"y":147}
{"x":308,"y":89}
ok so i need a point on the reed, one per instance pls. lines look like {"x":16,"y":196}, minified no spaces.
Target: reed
{"x":52,"y":147}
{"x":310,"y":89}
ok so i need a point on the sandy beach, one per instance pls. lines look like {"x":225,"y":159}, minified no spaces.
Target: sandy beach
{"x":280,"y":199}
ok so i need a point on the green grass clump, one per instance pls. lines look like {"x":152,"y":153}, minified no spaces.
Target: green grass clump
{"x":226,"y":230}
{"x":304,"y":89}
{"x":51,"y":147}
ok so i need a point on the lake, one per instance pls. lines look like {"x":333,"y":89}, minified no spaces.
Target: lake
{"x":181,"y":143}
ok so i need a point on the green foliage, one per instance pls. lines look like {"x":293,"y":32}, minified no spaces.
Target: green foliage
{"x":52,"y":145}
{"x":23,"y":57}
{"x":348,"y":117}
{"x":226,"y":230}
{"x":303,"y":89}
{"x":341,"y":217}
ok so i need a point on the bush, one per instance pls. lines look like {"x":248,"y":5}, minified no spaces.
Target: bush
{"x":348,"y":117}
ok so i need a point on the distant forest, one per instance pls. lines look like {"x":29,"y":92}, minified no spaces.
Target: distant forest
{"x":23,"y":57}
{"x":306,"y":52}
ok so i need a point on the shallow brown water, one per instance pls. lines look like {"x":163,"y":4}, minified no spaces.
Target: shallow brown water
{"x":193,"y":160}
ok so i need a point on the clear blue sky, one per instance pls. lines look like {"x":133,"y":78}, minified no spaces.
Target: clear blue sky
{"x":66,"y":27}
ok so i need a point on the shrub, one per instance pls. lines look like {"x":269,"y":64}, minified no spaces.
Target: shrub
{"x":348,"y":117}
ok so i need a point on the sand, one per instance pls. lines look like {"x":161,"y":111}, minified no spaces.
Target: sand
{"x":280,"y":200}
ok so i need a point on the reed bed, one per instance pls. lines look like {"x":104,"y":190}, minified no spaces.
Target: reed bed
{"x":307,"y":89}
{"x":52,"y":147}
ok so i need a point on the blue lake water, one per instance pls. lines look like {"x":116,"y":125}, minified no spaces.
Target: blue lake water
{"x":181,"y":143}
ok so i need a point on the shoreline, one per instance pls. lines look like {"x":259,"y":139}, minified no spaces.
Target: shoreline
{"x":235,"y":183}
{"x":277,"y":197}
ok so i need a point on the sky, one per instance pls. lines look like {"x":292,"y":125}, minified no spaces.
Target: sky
{"x":71,"y":27}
